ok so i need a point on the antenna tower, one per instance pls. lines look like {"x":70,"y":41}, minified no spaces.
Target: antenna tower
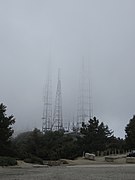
{"x":47,"y":109}
{"x":84,"y":111}
{"x":57,"y":116}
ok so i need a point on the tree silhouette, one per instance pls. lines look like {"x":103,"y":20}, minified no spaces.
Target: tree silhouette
{"x":6,"y":130}
{"x":95,"y":135}
{"x":130,"y":133}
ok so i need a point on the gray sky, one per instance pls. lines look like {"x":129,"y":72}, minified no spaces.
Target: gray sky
{"x":103,"y":32}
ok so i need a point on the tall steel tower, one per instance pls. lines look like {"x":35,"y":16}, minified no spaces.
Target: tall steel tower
{"x":84,"y":111}
{"x":47,"y":109}
{"x":57,"y":116}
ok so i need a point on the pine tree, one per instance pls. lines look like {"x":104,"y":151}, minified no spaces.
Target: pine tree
{"x":6,"y":130}
{"x":95,"y":135}
{"x":130,"y":133}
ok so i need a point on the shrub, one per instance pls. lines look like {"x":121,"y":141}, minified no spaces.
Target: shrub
{"x":7,"y":161}
{"x":34,"y":160}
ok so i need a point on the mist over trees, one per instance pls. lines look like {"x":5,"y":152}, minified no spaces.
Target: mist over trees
{"x":49,"y":146}
{"x":93,"y":137}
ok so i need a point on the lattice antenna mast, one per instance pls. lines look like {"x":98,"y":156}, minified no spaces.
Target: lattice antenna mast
{"x":57,"y":116}
{"x":84,"y":104}
{"x":80,"y":108}
{"x":90,"y":102}
{"x":47,"y":109}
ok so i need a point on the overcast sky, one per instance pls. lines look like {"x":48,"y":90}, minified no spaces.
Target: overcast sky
{"x":102,"y":32}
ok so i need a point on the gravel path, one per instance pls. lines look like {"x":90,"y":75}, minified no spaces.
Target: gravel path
{"x":79,"y":172}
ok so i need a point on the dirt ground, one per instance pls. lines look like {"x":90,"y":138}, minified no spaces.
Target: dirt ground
{"x":76,"y":170}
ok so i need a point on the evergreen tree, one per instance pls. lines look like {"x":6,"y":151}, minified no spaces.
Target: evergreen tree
{"x":6,"y":130}
{"x":130,"y":133}
{"x":95,"y":135}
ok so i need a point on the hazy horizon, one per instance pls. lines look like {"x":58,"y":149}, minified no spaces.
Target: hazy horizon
{"x":100,"y":32}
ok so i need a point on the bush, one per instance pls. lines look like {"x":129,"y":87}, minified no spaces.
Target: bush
{"x":34,"y":160}
{"x":7,"y":161}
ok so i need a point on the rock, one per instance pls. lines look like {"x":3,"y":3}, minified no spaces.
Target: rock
{"x":114,"y":158}
{"x":89,"y":156}
{"x":63,"y":161}
{"x":130,"y":159}
{"x":54,"y":163}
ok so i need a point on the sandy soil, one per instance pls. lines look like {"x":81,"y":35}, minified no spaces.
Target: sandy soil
{"x":76,"y":170}
{"x":98,"y":160}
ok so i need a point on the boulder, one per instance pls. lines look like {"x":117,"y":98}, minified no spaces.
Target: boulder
{"x":130,"y":160}
{"x":89,"y":156}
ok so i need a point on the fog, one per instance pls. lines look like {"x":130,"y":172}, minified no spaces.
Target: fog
{"x":66,"y":31}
